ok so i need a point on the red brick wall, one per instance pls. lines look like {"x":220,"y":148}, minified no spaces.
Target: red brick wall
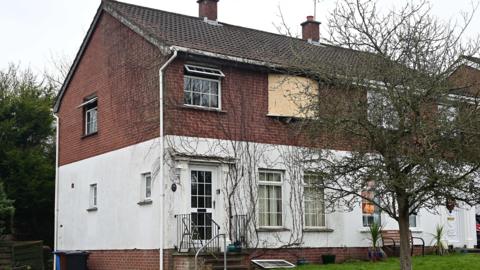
{"x":122,"y":69}
{"x":243,"y":116}
{"x":312,"y":255}
{"x":467,"y":77}
{"x":148,"y":259}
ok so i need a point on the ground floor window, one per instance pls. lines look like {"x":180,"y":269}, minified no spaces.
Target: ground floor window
{"x":314,"y":212}
{"x":370,"y":212}
{"x":270,"y":198}
{"x":412,"y":219}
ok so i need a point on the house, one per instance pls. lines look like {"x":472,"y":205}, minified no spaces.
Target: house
{"x":465,"y":82}
{"x":173,"y":130}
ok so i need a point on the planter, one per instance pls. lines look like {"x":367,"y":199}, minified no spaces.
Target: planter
{"x":234,"y":248}
{"x":328,"y":258}
{"x":376,"y":254}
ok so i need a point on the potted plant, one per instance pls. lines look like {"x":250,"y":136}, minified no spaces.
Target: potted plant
{"x":375,"y":252}
{"x":328,"y":258}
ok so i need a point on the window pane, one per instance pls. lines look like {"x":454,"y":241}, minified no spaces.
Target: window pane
{"x":148,"y":186}
{"x":214,"y":101}
{"x":413,"y":220}
{"x":270,"y":205}
{"x":313,"y":199}
{"x":214,"y":88}
{"x":196,"y":99}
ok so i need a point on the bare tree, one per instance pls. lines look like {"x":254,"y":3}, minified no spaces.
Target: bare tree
{"x":414,"y":144}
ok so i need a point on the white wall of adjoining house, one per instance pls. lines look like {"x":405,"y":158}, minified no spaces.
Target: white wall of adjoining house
{"x":347,"y":226}
{"x":119,"y":222}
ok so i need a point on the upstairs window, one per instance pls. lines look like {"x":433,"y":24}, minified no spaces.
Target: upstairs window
{"x":90,"y":107}
{"x":448,"y":115}
{"x":202,"y":87}
{"x":381,"y":111}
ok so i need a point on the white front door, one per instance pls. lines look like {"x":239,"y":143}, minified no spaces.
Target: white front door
{"x":201,"y":202}
{"x":452,"y":227}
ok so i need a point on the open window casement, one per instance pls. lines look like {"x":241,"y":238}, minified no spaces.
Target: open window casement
{"x":291,"y":96}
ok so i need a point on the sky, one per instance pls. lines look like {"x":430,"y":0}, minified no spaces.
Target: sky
{"x":36,"y":32}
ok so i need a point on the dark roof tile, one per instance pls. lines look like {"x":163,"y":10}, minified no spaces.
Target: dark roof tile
{"x":194,"y":33}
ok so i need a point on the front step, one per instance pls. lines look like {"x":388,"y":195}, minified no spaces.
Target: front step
{"x":231,"y":267}
{"x":235,"y":261}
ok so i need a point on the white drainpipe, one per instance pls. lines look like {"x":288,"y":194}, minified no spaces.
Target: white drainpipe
{"x":55,"y":241}
{"x":161,"y":153}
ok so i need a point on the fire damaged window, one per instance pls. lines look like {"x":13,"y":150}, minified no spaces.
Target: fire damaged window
{"x":202,"y":87}
{"x":370,"y":211}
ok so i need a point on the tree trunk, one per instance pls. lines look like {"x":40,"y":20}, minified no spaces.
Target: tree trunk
{"x":403,"y":224}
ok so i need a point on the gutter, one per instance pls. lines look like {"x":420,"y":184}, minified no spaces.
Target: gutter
{"x":224,"y":57}
{"x":55,"y":239}
{"x":161,"y":154}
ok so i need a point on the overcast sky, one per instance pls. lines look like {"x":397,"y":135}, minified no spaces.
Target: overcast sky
{"x":35,"y":31}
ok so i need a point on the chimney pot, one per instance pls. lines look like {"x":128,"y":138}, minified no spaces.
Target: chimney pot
{"x":311,"y":29}
{"x":208,"y":9}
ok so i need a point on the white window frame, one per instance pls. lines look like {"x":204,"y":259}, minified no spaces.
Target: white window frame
{"x":144,"y":187}
{"x":87,"y":112}
{"x":305,"y":186}
{"x":374,"y":95}
{"x":204,"y":71}
{"x":275,"y":184}
{"x":93,"y":196}
{"x":219,"y":107}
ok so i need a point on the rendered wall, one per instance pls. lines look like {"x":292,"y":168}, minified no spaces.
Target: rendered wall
{"x":120,"y":223}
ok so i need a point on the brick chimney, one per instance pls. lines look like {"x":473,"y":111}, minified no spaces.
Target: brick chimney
{"x":207,"y":9}
{"x":311,"y":29}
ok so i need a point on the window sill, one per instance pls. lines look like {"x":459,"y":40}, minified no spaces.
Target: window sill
{"x":364,"y":230}
{"x":90,"y":135}
{"x":324,"y":230}
{"x":145,"y":202}
{"x":273,"y":229}
{"x":199,"y":108}
{"x":92,"y":209}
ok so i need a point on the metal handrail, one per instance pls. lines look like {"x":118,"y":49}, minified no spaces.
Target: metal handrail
{"x":224,"y":249}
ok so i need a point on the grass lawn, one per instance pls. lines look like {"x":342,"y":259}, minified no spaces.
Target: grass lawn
{"x":447,"y":262}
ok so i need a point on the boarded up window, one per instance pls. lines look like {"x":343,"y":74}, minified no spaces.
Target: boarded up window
{"x":291,"y":96}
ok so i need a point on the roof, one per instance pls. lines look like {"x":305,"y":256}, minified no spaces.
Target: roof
{"x":194,"y":33}
{"x":473,"y":59}
{"x":167,"y":29}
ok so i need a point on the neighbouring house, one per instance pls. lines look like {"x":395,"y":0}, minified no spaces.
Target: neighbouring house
{"x":175,"y":129}
{"x":466,"y":83}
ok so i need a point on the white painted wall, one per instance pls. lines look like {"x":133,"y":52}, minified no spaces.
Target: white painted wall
{"x":120,"y":223}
